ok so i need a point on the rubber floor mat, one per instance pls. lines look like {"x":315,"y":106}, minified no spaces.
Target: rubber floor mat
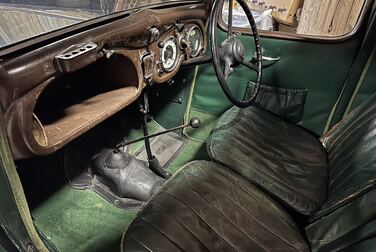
{"x":165,"y":148}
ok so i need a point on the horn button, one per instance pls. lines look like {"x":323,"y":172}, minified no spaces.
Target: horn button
{"x":232,"y":51}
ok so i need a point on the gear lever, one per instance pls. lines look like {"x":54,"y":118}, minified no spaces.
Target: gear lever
{"x":153,"y":161}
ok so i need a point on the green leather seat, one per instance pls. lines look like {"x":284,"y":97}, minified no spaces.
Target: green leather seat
{"x":232,"y":205}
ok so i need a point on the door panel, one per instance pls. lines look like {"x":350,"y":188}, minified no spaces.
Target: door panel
{"x":367,"y":86}
{"x":321,"y":68}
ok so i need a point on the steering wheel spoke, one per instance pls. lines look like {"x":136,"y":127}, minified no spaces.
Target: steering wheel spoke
{"x":228,"y":70}
{"x":229,"y":18}
{"x":250,"y":65}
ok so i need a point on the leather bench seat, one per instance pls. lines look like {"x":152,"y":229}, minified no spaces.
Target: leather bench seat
{"x":207,"y":207}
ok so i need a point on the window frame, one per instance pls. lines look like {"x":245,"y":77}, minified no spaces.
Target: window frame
{"x":364,"y":14}
{"x":58,"y":34}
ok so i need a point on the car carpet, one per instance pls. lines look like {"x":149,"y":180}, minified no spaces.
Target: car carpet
{"x":81,"y":220}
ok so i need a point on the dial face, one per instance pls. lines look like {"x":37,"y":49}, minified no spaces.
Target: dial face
{"x":195,"y":40}
{"x":170,"y":54}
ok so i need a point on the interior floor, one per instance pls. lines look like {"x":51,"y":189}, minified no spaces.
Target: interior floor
{"x":81,"y":220}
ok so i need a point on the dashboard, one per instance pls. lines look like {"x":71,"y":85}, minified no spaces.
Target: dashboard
{"x":54,"y":93}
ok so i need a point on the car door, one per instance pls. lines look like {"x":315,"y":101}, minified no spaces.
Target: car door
{"x":318,"y":65}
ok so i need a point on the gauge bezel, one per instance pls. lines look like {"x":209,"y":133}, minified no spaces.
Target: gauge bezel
{"x":177,"y":54}
{"x":201,"y":42}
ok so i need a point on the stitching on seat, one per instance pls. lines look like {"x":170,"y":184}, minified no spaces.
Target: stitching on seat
{"x":210,"y":204}
{"x":271,"y":178}
{"x":345,"y":157}
{"x":280,"y":195}
{"x":181,"y":224}
{"x":335,"y":154}
{"x":144,"y":246}
{"x":201,"y":219}
{"x":334,"y":139}
{"x":252,"y":196}
{"x":252,"y":217}
{"x":161,"y":232}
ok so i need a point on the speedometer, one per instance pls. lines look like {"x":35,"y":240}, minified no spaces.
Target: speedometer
{"x":170,"y":54}
{"x":195,"y":40}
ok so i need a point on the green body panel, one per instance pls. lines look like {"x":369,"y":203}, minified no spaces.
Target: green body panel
{"x":9,"y":215}
{"x":322,"y":68}
{"x":367,"y":87}
{"x":168,"y":103}
{"x":10,"y":218}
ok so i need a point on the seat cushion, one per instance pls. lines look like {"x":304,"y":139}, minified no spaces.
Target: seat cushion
{"x":206,"y":206}
{"x":281,"y":158}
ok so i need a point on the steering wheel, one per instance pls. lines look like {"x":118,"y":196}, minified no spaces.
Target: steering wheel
{"x":231,"y":52}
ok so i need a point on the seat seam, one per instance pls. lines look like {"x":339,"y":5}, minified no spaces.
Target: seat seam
{"x":234,"y":224}
{"x":243,"y":231}
{"x":177,"y":220}
{"x":161,"y":232}
{"x":252,"y":196}
{"x":244,"y":210}
{"x":201,"y":219}
{"x":140,"y":243}
{"x":275,"y":194}
{"x":271,"y":178}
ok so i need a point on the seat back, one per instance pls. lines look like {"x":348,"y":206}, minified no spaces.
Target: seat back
{"x":347,"y":220}
{"x":351,"y":148}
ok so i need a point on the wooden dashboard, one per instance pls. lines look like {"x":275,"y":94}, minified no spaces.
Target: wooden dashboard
{"x":55,"y":93}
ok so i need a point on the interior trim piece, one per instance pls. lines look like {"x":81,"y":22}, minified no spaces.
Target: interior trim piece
{"x":8,"y":168}
{"x":306,"y":38}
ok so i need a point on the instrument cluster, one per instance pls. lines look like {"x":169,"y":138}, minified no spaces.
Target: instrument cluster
{"x":189,"y":42}
{"x":179,"y":43}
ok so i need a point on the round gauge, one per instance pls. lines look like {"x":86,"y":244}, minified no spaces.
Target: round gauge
{"x":195,"y":39}
{"x":170,"y":54}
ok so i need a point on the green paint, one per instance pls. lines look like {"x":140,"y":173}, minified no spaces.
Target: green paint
{"x":367,"y":87}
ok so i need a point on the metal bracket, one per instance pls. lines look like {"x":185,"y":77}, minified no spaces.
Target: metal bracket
{"x":76,"y":57}
{"x":147,"y":62}
{"x":267,"y":61}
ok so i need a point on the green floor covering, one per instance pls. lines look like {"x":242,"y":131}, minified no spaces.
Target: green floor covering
{"x":75,"y":220}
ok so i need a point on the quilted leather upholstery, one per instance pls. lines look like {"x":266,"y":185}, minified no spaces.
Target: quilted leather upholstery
{"x":283,"y":159}
{"x":205,"y":206}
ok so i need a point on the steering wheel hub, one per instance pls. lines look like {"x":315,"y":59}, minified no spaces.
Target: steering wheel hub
{"x":233,"y":51}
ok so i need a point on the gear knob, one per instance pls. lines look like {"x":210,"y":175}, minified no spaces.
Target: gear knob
{"x":195,"y":123}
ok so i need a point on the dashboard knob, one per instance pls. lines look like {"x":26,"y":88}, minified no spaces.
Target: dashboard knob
{"x":179,"y":27}
{"x":183,"y":43}
{"x":161,"y":44}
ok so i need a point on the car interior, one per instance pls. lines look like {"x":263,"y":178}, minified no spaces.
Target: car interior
{"x":168,"y":126}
